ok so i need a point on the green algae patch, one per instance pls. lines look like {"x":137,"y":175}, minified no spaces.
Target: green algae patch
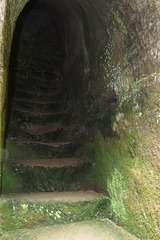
{"x":109,"y":172}
{"x":10,"y":181}
{"x":126,"y":158}
{"x":117,"y":191}
{"x":18,"y":214}
{"x":46,"y":179}
{"x":13,"y":151}
{"x":22,"y":118}
{"x":27,"y":149}
{"x":131,"y":182}
{"x":142,"y":202}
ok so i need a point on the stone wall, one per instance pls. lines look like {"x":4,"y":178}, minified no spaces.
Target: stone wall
{"x":2,"y":14}
{"x":129,"y":150}
{"x":9,"y":11}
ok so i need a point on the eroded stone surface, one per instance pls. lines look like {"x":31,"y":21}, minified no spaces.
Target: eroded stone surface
{"x":91,"y":230}
{"x":57,"y":196}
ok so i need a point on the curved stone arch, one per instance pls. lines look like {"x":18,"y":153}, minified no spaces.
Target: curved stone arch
{"x":9,"y":12}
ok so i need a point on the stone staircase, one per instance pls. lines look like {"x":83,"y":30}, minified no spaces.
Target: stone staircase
{"x":52,"y":179}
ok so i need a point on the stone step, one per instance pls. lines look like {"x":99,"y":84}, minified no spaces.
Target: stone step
{"x":76,"y":196}
{"x":51,"y":208}
{"x":39,"y":96}
{"x":41,"y":80}
{"x":41,"y":106}
{"x":39,"y":64}
{"x":36,"y":86}
{"x":40,"y":129}
{"x":21,"y":117}
{"x":55,"y":131}
{"x":40,"y":92}
{"x":96,"y":229}
{"x":37,"y":71}
{"x":36,"y":113}
{"x":32,"y":149}
{"x":52,"y":163}
{"x":55,"y":100}
{"x":47,"y":175}
{"x":42,"y":133}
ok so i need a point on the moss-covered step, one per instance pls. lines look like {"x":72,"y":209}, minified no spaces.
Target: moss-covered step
{"x":40,"y":81}
{"x":59,"y":99}
{"x":26,"y":210}
{"x":46,"y":74}
{"x":27,"y":86}
{"x":42,"y":97}
{"x":53,"y":163}
{"x":34,"y":92}
{"x":36,"y":71}
{"x":41,"y":150}
{"x":53,"y":134}
{"x":24,"y":117}
{"x":47,"y":175}
{"x":38,"y":84}
{"x":36,"y":105}
{"x":43,"y":133}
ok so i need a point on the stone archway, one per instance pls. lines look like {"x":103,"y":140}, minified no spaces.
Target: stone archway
{"x":9,"y":14}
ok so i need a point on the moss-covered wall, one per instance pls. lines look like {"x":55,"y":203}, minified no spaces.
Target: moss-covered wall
{"x":127,"y":153}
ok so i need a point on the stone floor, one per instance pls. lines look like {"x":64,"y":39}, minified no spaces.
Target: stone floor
{"x":89,"y":230}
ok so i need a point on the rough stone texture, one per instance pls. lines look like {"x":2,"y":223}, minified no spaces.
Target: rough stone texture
{"x":130,"y":154}
{"x":9,"y":11}
{"x":142,"y":42}
{"x":2,"y":15}
{"x":88,"y":230}
{"x":26,"y":211}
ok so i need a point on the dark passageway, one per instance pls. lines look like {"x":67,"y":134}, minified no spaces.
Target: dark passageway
{"x":41,"y":134}
{"x":35,"y":58}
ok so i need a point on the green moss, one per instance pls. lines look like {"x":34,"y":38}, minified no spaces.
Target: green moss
{"x":103,"y":165}
{"x":109,"y":155}
{"x":120,"y":22}
{"x":13,"y":151}
{"x":16,"y":217}
{"x":10,"y":182}
{"x":125,"y":166}
{"x":18,"y":214}
{"x":46,"y":179}
{"x":131,"y":183}
{"x":40,"y":150}
{"x":142,"y":202}
{"x":117,"y":191}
